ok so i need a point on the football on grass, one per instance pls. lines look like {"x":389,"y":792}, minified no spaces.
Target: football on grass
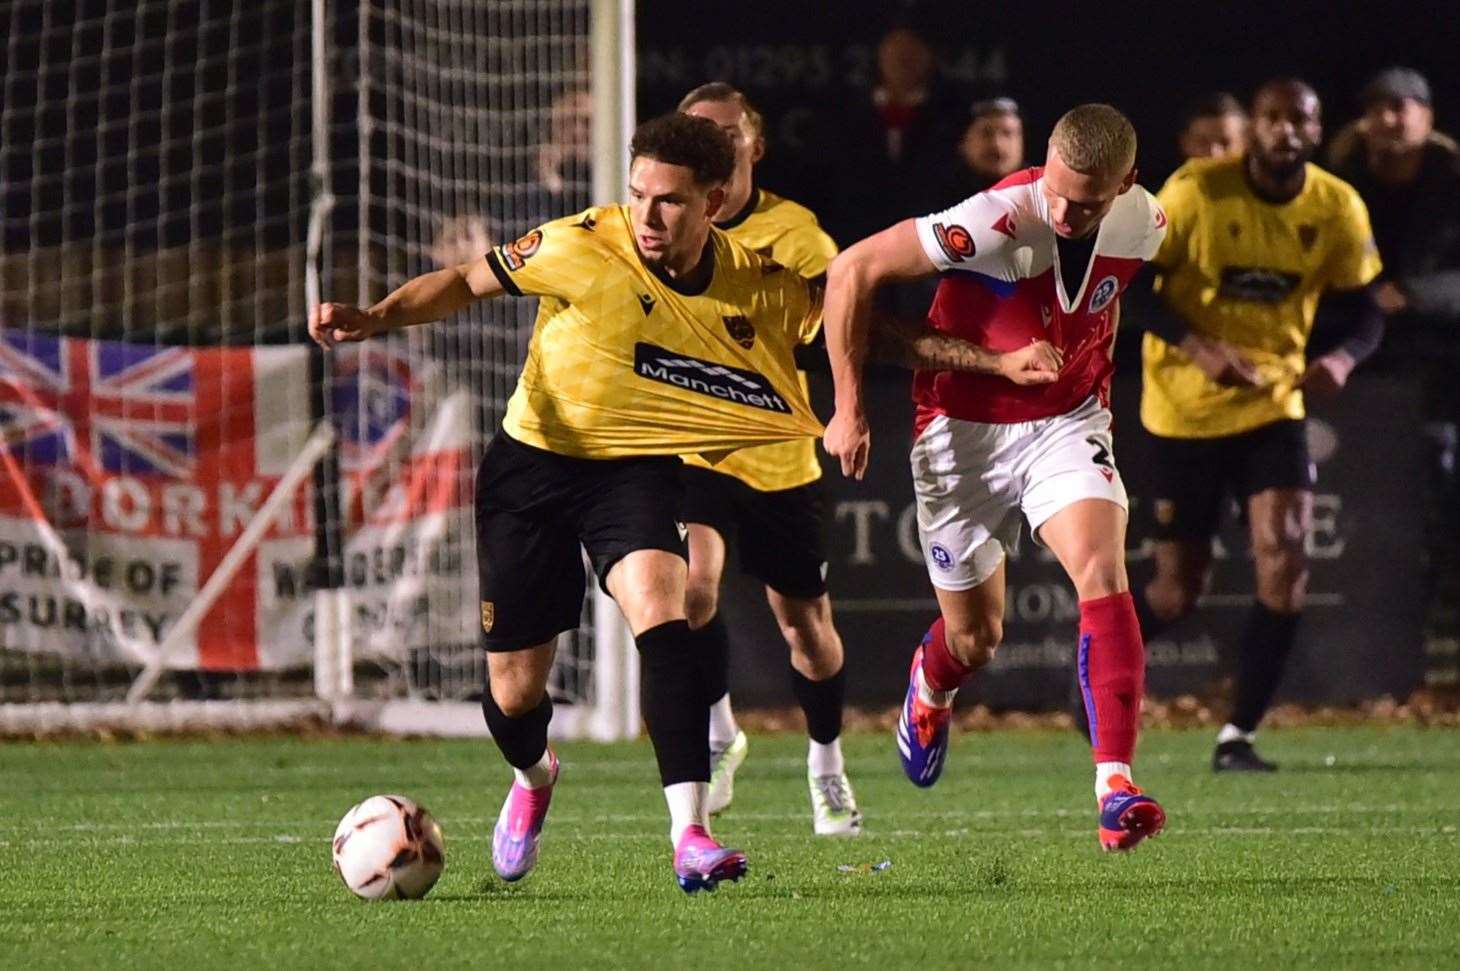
{"x":389,"y":848}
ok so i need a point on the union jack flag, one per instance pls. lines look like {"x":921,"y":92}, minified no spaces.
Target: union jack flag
{"x":102,"y":406}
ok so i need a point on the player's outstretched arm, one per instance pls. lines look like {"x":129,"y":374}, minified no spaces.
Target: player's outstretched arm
{"x":851,"y":281}
{"x":430,"y":296}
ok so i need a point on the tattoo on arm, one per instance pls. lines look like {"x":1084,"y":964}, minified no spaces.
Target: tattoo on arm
{"x":916,"y":346}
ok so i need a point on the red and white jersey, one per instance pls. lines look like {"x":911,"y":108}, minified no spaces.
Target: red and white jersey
{"x":1002,"y":288}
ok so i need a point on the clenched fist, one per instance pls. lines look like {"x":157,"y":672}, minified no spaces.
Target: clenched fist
{"x":333,"y":323}
{"x":1039,"y":363}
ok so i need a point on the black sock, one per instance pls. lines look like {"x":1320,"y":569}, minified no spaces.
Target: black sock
{"x":1266,"y":643}
{"x":1151,"y":625}
{"x":712,"y":657}
{"x":822,"y":701}
{"x":673,"y":703}
{"x":522,"y":740}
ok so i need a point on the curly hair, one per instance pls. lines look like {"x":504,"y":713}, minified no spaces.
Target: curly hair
{"x":696,"y":143}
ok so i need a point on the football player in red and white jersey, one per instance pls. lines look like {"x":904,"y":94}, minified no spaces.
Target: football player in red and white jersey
{"x":1039,"y":260}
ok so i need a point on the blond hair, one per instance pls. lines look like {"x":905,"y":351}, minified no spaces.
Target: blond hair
{"x":718,"y":92}
{"x":1095,"y":138}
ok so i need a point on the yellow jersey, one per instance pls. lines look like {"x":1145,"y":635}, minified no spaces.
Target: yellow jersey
{"x":621,"y":363}
{"x":789,"y":234}
{"x":1247,"y":272}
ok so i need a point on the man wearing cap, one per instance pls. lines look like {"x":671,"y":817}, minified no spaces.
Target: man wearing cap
{"x":1409,"y":176}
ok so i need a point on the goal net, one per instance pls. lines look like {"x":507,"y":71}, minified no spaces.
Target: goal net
{"x":201,"y":520}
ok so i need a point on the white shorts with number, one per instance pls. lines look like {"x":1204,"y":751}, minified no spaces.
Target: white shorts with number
{"x":972,"y":481}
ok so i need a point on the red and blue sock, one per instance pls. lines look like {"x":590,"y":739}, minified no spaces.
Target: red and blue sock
{"x":1112,"y":672}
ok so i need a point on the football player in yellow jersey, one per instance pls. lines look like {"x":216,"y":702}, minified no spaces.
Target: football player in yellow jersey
{"x":1258,"y":247}
{"x":770,"y":502}
{"x":633,"y":360}
{"x":656,"y":335}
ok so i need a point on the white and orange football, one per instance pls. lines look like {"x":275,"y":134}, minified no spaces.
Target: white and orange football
{"x":389,"y":848}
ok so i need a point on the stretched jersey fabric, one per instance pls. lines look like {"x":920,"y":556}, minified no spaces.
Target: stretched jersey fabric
{"x":787,"y":233}
{"x":1002,"y":289}
{"x":1248,"y":272}
{"x":622,"y":364}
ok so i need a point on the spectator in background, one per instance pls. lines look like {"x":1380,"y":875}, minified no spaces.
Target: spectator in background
{"x":566,"y":155}
{"x":462,"y":239}
{"x":992,"y":147}
{"x":1215,"y":127}
{"x":562,"y":167}
{"x":899,"y":143}
{"x":1409,"y":176}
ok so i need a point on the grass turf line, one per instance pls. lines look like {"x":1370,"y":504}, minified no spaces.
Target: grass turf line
{"x":212,"y":853}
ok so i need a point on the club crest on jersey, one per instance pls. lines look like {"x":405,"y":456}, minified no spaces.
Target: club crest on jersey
{"x":741,"y":330}
{"x":942,"y":559}
{"x":516,"y":253}
{"x":489,"y":615}
{"x":1160,"y":218}
{"x":954,"y":240}
{"x":1103,"y":293}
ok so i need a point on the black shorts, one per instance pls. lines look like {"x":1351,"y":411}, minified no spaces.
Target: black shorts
{"x":535,"y":509}
{"x":1193,"y":477}
{"x":779,"y":536}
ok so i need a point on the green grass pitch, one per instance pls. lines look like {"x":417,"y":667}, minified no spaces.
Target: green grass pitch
{"x":204,"y":854}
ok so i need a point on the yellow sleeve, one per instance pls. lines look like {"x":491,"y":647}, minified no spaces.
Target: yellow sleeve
{"x":1353,"y":260}
{"x":1180,"y":200}
{"x":558,"y":259}
{"x":801,"y":306}
{"x":806,"y":249}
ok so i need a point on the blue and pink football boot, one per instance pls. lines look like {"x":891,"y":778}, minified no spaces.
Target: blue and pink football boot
{"x":518,"y":833}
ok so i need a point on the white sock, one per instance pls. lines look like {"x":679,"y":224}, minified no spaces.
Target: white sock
{"x":538,"y":775}
{"x":1103,"y":773}
{"x":1231,"y":733}
{"x":938,"y":699}
{"x":687,"y":802}
{"x":825,"y":759}
{"x":722,"y":724}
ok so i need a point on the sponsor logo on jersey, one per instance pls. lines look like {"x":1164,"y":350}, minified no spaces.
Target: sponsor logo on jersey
{"x":942,"y":559}
{"x":732,"y":384}
{"x":516,"y":253}
{"x":1235,"y":229}
{"x":489,"y":615}
{"x":1160,"y":218}
{"x":682,"y":529}
{"x":1045,"y":314}
{"x":1103,"y":293}
{"x":1004,"y":224}
{"x":741,"y":330}
{"x":647,"y":303}
{"x":1257,"y":283}
{"x":588,"y":223}
{"x":1307,"y":235}
{"x":954,"y":240}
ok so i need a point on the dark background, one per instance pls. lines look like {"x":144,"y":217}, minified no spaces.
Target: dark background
{"x":809,"y":66}
{"x":227,"y":165}
{"x":805,"y":63}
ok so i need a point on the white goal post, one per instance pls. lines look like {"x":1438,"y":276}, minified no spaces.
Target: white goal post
{"x":193,"y":179}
